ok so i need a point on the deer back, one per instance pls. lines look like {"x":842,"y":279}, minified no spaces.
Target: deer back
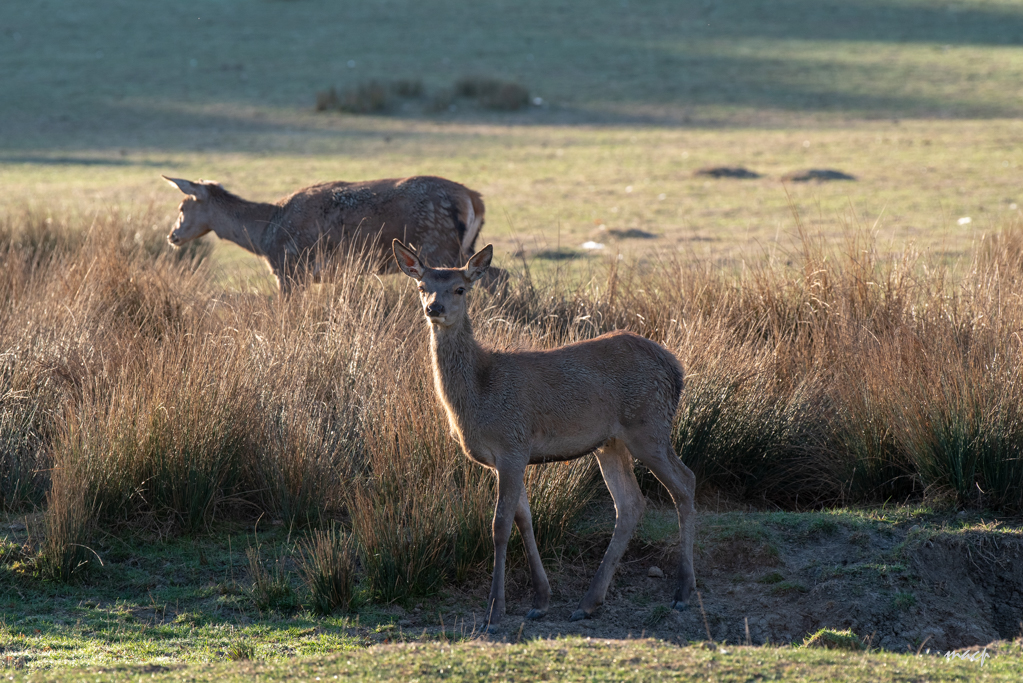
{"x":438,"y":216}
{"x":615,"y":379}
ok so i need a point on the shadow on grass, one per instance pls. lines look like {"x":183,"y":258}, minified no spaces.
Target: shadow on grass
{"x":655,"y":62}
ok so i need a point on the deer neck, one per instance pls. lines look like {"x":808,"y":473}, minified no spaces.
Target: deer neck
{"x":244,"y":222}
{"x":458,"y":363}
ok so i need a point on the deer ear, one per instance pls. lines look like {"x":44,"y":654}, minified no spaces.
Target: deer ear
{"x":408,"y":261}
{"x":197,"y":190}
{"x":479,"y":262}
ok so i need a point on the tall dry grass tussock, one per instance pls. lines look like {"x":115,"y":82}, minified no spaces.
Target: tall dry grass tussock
{"x":850,"y":376}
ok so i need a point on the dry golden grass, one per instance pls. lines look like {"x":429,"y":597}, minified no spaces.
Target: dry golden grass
{"x":136,"y":393}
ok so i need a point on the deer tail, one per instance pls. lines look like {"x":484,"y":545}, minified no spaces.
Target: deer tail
{"x":472,"y":216}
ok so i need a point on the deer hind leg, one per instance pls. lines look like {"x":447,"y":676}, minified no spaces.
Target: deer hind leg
{"x":538,"y":577}
{"x":616,"y":467}
{"x":659,"y":456}
{"x":510,"y":488}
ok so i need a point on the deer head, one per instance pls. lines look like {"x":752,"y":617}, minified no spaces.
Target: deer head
{"x":442,"y":290}
{"x":195,"y":214}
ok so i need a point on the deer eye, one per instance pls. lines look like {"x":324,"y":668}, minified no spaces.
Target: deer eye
{"x":460,"y":290}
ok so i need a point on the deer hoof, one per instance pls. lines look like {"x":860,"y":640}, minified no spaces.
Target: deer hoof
{"x":535,"y":613}
{"x":579,"y":615}
{"x":680,"y":606}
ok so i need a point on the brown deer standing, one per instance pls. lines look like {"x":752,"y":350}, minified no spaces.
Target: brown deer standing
{"x":614,"y":396}
{"x":441,"y":217}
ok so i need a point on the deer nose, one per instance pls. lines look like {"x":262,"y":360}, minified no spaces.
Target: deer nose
{"x":434,"y":310}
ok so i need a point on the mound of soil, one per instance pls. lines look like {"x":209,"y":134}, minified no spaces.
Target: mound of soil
{"x":726,"y":172}
{"x":631,"y":234}
{"x":783,"y":576}
{"x":557,"y":255}
{"x":816,"y":174}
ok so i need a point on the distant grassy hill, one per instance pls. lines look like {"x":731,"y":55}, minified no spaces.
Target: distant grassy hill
{"x":920,"y":101}
{"x":127,"y":74}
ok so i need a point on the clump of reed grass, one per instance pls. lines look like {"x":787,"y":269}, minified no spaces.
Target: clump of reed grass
{"x":833,"y":639}
{"x":402,"y":525}
{"x":405,"y":547}
{"x":271,"y":588}
{"x":327,"y":565}
{"x":24,"y":461}
{"x":11,"y":552}
{"x":558,"y":494}
{"x":164,"y":443}
{"x":69,"y":522}
{"x":301,"y":470}
{"x":241,"y":652}
{"x":741,"y":429}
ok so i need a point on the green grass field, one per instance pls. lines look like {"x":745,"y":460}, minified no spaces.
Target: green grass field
{"x":576,"y":659}
{"x":184,"y":609}
{"x":920,"y":101}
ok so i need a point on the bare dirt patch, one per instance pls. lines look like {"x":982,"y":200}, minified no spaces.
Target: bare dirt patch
{"x":943,"y":583}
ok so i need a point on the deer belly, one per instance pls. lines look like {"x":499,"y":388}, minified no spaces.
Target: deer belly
{"x":560,"y":449}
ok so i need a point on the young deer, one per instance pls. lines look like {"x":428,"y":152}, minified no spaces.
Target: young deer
{"x":441,"y":217}
{"x":614,"y":396}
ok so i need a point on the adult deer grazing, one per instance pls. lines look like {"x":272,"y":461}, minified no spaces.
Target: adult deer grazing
{"x":441,"y":217}
{"x":614,"y":396}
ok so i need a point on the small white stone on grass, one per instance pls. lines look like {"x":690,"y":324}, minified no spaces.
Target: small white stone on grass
{"x":655,"y":572}
{"x":965,"y":220}
{"x":592,"y":245}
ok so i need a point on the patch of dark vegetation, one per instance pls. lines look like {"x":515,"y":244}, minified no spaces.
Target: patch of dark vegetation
{"x":271,"y":582}
{"x":831,"y":639}
{"x":631,"y":234}
{"x":327,"y":565}
{"x":492,"y":93}
{"x":738,"y":172}
{"x":241,"y":652}
{"x":786,"y":587}
{"x":11,"y":552}
{"x":822,"y":526}
{"x":371,"y":97}
{"x":376,"y":97}
{"x":557,"y":254}
{"x":816,"y":174}
{"x":38,"y":159}
{"x":409,"y":88}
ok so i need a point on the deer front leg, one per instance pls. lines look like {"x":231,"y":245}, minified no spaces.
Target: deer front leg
{"x":285,"y":276}
{"x":537,"y":576}
{"x":510,"y":488}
